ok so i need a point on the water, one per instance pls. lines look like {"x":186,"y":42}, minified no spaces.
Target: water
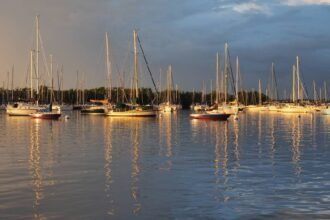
{"x":263,"y":166}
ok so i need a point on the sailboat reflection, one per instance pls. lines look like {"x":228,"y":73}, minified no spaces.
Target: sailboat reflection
{"x":219,"y":132}
{"x":236,"y":145}
{"x":272,"y":138}
{"x":296,"y":138}
{"x":167,"y":123}
{"x":132,"y":128}
{"x":108,"y":151}
{"x":135,"y":166}
{"x":35,"y":168}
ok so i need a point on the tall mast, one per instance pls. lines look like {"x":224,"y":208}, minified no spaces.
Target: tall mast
{"x":237,"y":73}
{"x":160,"y":85}
{"x":314,"y":91}
{"x":294,"y":83}
{"x":135,"y":66}
{"x":31,"y":74}
{"x":169,"y":84}
{"x":12,"y":83}
{"x":108,"y":63}
{"x":274,"y":94}
{"x":260,"y":98}
{"x":211,"y":92}
{"x":37,"y":56}
{"x":226,"y":72}
{"x":176,"y":93}
{"x":298,"y":79}
{"x":51,"y":74}
{"x":77,"y":89}
{"x":325,"y":92}
{"x":217,"y":79}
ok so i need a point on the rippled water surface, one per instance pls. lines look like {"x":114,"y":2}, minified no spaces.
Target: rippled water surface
{"x":263,"y":166}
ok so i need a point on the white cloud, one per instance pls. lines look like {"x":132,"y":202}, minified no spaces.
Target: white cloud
{"x":306,"y":2}
{"x":248,"y":7}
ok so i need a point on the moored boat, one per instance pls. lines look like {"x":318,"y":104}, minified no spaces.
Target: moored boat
{"x":211,"y":115}
{"x":130,"y":111}
{"x":22,"y":109}
{"x":96,"y":108}
{"x":47,"y":114}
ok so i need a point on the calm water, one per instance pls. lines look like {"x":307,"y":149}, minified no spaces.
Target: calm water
{"x":263,"y":166}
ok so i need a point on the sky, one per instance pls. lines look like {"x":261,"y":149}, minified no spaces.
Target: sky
{"x":186,"y":34}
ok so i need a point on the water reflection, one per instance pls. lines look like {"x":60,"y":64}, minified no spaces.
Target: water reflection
{"x":116,"y":132}
{"x":296,"y":137}
{"x":135,"y":137}
{"x":108,"y":149}
{"x":166,"y":125}
{"x":260,"y":166}
{"x":35,"y":168}
{"x":273,"y":139}
{"x":259,"y":133}
{"x":236,"y":145}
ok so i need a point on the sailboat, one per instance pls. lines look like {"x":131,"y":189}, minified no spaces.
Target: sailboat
{"x":133,"y":109}
{"x":297,"y":93}
{"x":47,"y":113}
{"x":50,"y":111}
{"x":98,"y":107}
{"x":169,"y":106}
{"x":27,"y":108}
{"x":216,"y":112}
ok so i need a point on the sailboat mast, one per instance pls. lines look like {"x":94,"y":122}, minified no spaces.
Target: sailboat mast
{"x":51,"y":74}
{"x":135,"y":66}
{"x":217,"y":79}
{"x":294,"y":83}
{"x":37,"y":56}
{"x":31,"y":74}
{"x":237,"y":73}
{"x":314,"y":91}
{"x":260,"y":98}
{"x":273,"y":85}
{"x":226,"y":72}
{"x":108,"y":62}
{"x":325,"y":92}
{"x":12,"y":83}
{"x":160,"y":85}
{"x":298,"y":78}
{"x":211,"y":92}
{"x":170,"y":86}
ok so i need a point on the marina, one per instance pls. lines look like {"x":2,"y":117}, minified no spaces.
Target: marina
{"x":164,"y":110}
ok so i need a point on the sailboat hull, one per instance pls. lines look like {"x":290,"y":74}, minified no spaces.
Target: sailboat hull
{"x":131,"y":113}
{"x":22,"y":109}
{"x":210,"y":116}
{"x":46,"y":115}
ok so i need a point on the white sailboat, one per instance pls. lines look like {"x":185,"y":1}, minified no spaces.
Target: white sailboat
{"x":132,"y":110}
{"x":169,"y":106}
{"x":297,"y":94}
{"x":25,"y":108}
{"x":99,"y":107}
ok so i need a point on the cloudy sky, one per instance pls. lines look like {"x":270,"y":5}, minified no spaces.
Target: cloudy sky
{"x":186,"y":34}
